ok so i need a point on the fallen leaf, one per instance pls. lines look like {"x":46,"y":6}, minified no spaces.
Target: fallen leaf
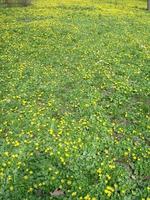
{"x":57,"y":192}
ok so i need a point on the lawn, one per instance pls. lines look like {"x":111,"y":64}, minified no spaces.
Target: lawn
{"x":75,"y":100}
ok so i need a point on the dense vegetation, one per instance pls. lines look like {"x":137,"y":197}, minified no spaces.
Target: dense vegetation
{"x":75,"y":96}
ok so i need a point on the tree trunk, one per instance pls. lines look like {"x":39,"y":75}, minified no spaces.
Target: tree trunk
{"x":8,"y":2}
{"x":148,"y":5}
{"x":26,"y":2}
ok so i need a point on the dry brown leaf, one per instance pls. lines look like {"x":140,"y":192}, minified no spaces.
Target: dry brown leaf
{"x":57,"y":192}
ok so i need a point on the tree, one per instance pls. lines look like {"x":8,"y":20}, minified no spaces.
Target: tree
{"x":8,"y":2}
{"x":22,"y":2}
{"x":25,"y":2}
{"x":148,"y":5}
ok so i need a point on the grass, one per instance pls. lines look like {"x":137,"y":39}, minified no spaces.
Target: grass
{"x":75,"y":96}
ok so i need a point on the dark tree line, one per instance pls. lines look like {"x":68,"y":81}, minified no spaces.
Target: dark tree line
{"x":22,"y":2}
{"x":28,"y":2}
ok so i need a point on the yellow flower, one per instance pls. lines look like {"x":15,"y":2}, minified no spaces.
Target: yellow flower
{"x":69,"y":182}
{"x":108,"y":176}
{"x":14,"y":155}
{"x":11,"y":188}
{"x":111,"y":166}
{"x":9,"y":178}
{"x":51,"y":132}
{"x":123,"y":191}
{"x":74,"y":194}
{"x":62,"y":181}
{"x":99,"y":171}
{"x":62,"y":159}
{"x":16,"y":144}
{"x":6,"y":153}
{"x":126,"y":153}
{"x":30,"y":189}
{"x":87,"y":197}
{"x":25,"y":177}
{"x":109,"y":190}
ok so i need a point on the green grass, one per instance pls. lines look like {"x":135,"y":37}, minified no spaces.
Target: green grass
{"x":75,"y":100}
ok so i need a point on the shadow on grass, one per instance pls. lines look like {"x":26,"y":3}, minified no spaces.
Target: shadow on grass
{"x":15,"y":4}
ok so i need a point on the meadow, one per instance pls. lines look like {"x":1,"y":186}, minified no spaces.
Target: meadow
{"x":75,"y":100}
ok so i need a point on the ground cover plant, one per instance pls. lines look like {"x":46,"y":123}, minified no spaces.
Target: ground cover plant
{"x":75,"y":96}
